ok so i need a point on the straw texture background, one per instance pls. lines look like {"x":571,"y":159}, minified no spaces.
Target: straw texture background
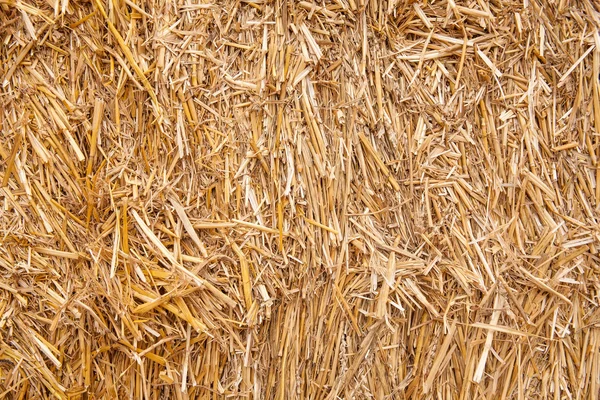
{"x":272,"y":199}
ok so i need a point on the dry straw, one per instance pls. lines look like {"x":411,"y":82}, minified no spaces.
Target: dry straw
{"x":276,"y":199}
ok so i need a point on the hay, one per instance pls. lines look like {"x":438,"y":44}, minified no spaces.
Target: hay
{"x":299,"y":200}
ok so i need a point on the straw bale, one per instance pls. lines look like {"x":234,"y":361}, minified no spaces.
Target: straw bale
{"x":322,"y":199}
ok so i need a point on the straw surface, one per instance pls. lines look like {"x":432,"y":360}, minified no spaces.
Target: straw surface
{"x":272,"y":199}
